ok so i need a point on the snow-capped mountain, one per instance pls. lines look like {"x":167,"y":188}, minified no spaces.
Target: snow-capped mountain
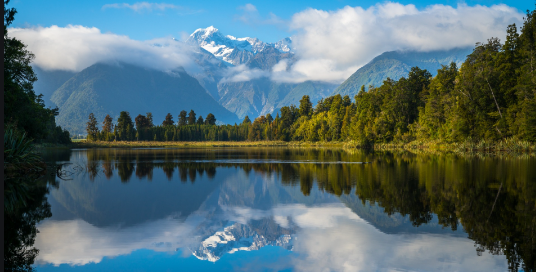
{"x":237,"y":237}
{"x":231,"y":49}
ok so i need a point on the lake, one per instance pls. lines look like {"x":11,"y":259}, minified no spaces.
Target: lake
{"x":287,"y":209}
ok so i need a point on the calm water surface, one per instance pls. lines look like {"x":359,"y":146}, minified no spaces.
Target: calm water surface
{"x":279,"y":209}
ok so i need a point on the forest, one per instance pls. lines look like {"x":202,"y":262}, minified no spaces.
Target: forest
{"x":491,"y":97}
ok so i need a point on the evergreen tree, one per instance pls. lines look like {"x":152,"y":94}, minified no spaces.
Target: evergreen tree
{"x":91,"y":128}
{"x":107,"y":124}
{"x":191,"y":118}
{"x":210,"y":120}
{"x":246,"y":120}
{"x":168,"y":121}
{"x":125,"y":127}
{"x":306,"y":107}
{"x":142,"y":124}
{"x":150,"y":120}
{"x":269,"y":118}
{"x":182,"y":118}
{"x":200,"y":120}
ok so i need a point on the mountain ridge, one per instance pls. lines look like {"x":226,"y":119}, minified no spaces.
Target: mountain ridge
{"x":397,"y":64}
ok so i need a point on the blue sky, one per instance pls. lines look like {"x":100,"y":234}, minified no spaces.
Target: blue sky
{"x":186,"y":16}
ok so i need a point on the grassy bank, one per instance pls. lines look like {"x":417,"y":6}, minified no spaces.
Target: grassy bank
{"x":136,"y":144}
{"x":503,"y":146}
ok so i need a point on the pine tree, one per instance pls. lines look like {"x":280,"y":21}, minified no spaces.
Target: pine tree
{"x":107,"y":124}
{"x":191,"y":118}
{"x":306,"y":107}
{"x":210,"y":120}
{"x":168,"y":121}
{"x":150,"y":120}
{"x":125,"y":128}
{"x":182,"y":118}
{"x":246,"y":120}
{"x":91,"y":128}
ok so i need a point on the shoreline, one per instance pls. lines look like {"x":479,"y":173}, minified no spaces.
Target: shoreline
{"x":499,"y":147}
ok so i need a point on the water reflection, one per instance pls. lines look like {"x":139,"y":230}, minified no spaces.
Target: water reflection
{"x":401,"y":211}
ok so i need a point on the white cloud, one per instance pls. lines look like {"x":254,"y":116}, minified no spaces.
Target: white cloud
{"x":77,"y":47}
{"x":331,"y":45}
{"x":76,"y":242}
{"x":243,"y":73}
{"x":354,"y":245}
{"x":140,"y":6}
{"x":329,"y":237}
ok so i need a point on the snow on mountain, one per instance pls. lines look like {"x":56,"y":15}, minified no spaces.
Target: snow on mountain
{"x":236,"y":237}
{"x":231,"y":49}
{"x":284,"y":45}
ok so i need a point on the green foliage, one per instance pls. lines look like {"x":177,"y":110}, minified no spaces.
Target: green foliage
{"x":168,"y":121}
{"x":91,"y":128}
{"x":200,"y":120}
{"x":246,"y":120}
{"x":210,"y":120}
{"x":23,"y":108}
{"x":182,"y":118}
{"x":191,"y":118}
{"x":125,"y":128}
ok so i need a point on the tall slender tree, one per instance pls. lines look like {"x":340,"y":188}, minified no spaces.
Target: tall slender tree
{"x":107,"y":124}
{"x":150,"y":119}
{"x":182,"y":118}
{"x":200,"y":120}
{"x":91,"y":128}
{"x":191,"y":118}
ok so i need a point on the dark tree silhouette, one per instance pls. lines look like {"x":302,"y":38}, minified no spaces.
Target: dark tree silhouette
{"x":210,"y":120}
{"x":168,"y":121}
{"x":191,"y":118}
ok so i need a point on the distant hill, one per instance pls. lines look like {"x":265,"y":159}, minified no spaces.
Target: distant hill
{"x":109,"y":89}
{"x":397,"y":64}
{"x":49,"y":81}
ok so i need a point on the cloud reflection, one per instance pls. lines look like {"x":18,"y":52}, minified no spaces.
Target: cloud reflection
{"x":329,"y":238}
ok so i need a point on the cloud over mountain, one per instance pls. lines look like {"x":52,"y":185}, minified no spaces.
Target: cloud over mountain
{"x":331,"y":45}
{"x":77,"y":47}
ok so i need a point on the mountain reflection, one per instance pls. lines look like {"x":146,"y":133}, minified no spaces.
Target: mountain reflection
{"x":491,"y":199}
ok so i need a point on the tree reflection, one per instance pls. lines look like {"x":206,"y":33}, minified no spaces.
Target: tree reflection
{"x":31,"y":207}
{"x":20,"y":230}
{"x":492,"y":198}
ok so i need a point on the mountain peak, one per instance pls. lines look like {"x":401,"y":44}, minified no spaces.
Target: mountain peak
{"x":231,"y":49}
{"x":207,"y":31}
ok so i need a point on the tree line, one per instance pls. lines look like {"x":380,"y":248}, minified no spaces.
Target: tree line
{"x":491,"y":97}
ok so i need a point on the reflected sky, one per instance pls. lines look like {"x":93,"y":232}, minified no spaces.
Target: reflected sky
{"x":195,"y":213}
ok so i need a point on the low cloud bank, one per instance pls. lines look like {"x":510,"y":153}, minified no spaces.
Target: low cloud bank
{"x":75,"y":48}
